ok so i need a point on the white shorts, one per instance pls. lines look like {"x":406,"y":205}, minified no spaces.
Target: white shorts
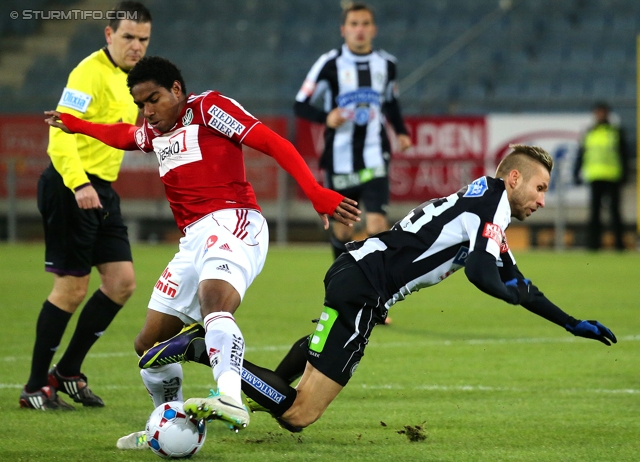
{"x":229,"y":244}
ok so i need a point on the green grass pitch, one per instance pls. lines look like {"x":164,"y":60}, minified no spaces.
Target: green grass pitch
{"x":485,"y":381}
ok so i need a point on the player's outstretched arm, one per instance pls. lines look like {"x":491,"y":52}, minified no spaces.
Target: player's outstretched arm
{"x":325,"y":201}
{"x":481,"y":269}
{"x":119,"y":135}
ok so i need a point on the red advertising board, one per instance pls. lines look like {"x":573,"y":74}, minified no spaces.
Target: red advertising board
{"x":447,"y":153}
{"x":24,"y":139}
{"x":23,"y":142}
{"x":23,"y":136}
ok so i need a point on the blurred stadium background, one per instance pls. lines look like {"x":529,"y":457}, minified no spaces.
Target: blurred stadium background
{"x":459,"y":60}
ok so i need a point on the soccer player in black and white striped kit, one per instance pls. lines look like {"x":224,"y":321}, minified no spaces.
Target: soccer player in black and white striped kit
{"x":463,"y":230}
{"x":356,"y":88}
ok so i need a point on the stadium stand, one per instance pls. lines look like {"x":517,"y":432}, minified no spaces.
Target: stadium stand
{"x":538,"y":56}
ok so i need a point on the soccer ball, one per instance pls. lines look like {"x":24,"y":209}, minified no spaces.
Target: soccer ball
{"x":171,"y":432}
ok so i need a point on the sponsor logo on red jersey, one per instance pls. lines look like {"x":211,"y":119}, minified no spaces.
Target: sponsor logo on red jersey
{"x":223,"y":122}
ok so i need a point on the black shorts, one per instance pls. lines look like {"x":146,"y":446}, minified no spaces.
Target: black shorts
{"x":373,"y":194}
{"x":352,"y":309}
{"x":78,"y":239}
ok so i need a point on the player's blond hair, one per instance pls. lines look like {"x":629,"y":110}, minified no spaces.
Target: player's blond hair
{"x":522,"y":158}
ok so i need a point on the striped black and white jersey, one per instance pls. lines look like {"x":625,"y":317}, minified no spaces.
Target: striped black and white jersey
{"x":364,"y":87}
{"x":434,"y":240}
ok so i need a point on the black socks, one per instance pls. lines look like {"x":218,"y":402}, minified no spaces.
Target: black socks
{"x":96,"y":316}
{"x":50,"y":328}
{"x":292,"y":365}
{"x":267,"y":389}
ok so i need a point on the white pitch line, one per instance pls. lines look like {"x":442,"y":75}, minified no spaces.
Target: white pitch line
{"x":426,"y":387}
{"x":481,"y":388}
{"x":378,"y":344}
{"x":493,"y":341}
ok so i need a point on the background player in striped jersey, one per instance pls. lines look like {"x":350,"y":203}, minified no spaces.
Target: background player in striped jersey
{"x":356,"y":86}
{"x":81,"y":215}
{"x":198,"y":142}
{"x":441,"y":236}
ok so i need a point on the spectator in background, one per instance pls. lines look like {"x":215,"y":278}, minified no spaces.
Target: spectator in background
{"x":356,"y":86}
{"x":81,"y":215}
{"x":602,"y":163}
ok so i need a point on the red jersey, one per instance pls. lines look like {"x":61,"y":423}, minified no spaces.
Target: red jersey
{"x":200,"y":159}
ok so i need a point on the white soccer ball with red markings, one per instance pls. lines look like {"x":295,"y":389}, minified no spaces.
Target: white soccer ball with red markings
{"x":171,"y":432}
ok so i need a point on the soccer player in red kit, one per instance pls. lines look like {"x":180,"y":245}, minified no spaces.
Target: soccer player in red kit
{"x":198,"y":142}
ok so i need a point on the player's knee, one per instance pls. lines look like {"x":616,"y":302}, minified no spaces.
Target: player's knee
{"x":118,"y":281}
{"x":127,"y":287}
{"x":70,"y":298}
{"x":140,"y":345}
{"x":119,"y":291}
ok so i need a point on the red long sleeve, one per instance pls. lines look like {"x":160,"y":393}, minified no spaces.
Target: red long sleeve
{"x":267,"y":141}
{"x":118,"y":135}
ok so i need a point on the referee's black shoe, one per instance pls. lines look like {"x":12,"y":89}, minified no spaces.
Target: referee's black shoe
{"x":75,"y":386}
{"x":44,"y":399}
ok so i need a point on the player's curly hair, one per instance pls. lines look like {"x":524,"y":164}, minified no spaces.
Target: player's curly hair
{"x":158,"y":70}
{"x":518,"y":157}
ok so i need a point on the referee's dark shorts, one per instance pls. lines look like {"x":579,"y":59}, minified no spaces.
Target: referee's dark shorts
{"x":77,"y":239}
{"x":352,"y":309}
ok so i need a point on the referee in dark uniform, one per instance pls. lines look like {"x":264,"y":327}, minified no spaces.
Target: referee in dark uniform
{"x":80,"y":210}
{"x":356,"y":87}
